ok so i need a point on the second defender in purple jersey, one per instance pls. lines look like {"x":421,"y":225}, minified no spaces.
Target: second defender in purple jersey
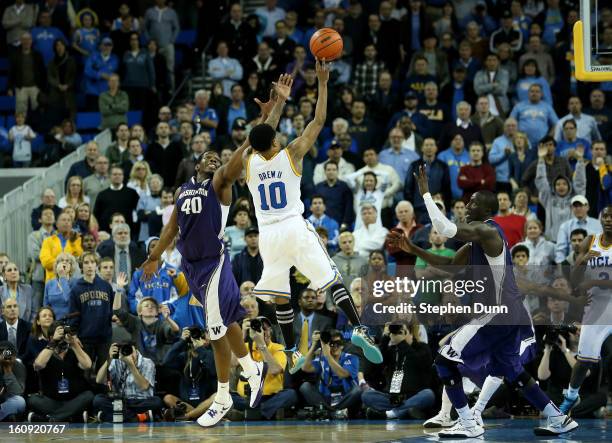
{"x":490,"y":340}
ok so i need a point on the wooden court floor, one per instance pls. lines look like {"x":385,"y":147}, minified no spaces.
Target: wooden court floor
{"x":517,"y":430}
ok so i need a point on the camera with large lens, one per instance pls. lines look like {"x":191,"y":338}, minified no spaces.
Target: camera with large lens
{"x":125,"y":350}
{"x":6,"y":354}
{"x":67,"y":328}
{"x":195,"y":332}
{"x":256,"y":325}
{"x":553,"y":332}
{"x":325,"y":337}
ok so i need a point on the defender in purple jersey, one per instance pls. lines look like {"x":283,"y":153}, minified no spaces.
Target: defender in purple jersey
{"x":492,"y":339}
{"x":199,"y":216}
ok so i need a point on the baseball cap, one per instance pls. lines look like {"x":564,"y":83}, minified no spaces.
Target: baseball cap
{"x":251,"y":230}
{"x":107,"y":41}
{"x":334,"y":145}
{"x":579,"y":199}
{"x":239,"y":124}
{"x":410,"y":95}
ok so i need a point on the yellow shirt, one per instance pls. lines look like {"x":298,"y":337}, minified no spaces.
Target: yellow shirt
{"x":272,"y":383}
{"x":52,"y":247}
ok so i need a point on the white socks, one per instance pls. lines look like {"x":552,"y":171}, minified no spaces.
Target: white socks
{"x":447,"y":406}
{"x":490,"y":385}
{"x":223,"y":395}
{"x":465,"y":413}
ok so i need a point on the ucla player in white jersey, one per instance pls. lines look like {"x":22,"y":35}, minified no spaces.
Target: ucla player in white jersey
{"x":593,"y":270}
{"x":286,"y":239}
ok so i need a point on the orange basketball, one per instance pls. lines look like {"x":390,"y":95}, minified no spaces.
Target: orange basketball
{"x":326,"y":43}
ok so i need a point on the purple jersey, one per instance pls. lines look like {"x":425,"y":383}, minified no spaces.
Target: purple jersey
{"x":201,"y":221}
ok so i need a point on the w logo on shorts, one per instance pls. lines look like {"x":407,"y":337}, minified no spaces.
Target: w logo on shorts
{"x":216,"y":330}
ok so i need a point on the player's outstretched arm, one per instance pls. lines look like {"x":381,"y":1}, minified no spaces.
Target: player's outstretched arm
{"x":301,"y":145}
{"x":398,"y":239}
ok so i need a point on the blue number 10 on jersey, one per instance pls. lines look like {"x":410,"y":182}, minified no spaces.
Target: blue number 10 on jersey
{"x":276,"y":195}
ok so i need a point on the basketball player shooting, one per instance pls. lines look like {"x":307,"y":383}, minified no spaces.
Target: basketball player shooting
{"x":492,"y":339}
{"x":199,"y":217}
{"x":593,"y":270}
{"x":286,"y":239}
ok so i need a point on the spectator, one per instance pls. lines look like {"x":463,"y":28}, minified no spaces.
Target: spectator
{"x":579,"y":220}
{"x":41,"y":333}
{"x":162,"y":25}
{"x":85,"y":223}
{"x":116,"y":198}
{"x":132,"y":377}
{"x":98,"y":181}
{"x":467,"y":61}
{"x":500,"y":153}
{"x":261,"y":348}
{"x":61,"y":76}
{"x":248,"y":265}
{"x":437,"y":63}
{"x":319,"y":218}
{"x":186,"y":168}
{"x":349,"y":262}
{"x":26,"y":76}
{"x":113,"y":103}
{"x":594,"y":181}
{"x":118,"y":152}
{"x":197,"y":385}
{"x":14,"y":329}
{"x":601,"y":113}
{"x":86,"y":167}
{"x":127,"y":255}
{"x":16,"y":20}
{"x":122,"y":35}
{"x":225,"y":68}
{"x":491,"y":126}
{"x":577,"y":236}
{"x":536,"y":51}
{"x":334,"y":154}
{"x":531,"y":75}
{"x":570,"y":143}
{"x":455,"y":157}
{"x":234,"y":235}
{"x":535,"y":117}
{"x":124,"y":13}
{"x":64,"y":240}
{"x":492,"y":82}
{"x":309,"y":320}
{"x":64,"y":393}
{"x":162,"y":76}
{"x":134,"y":152}
{"x":86,"y":38}
{"x":12,"y":379}
{"x":264,"y":64}
{"x":367,"y":194}
{"x":513,"y":225}
{"x":404,"y":212}
{"x":521,"y":159}
{"x":21,"y":136}
{"x":476,"y":176}
{"x":35,"y":240}
{"x":139,"y":75}
{"x":336,"y":193}
{"x":383,"y":102}
{"x":463,"y":126}
{"x":4,"y":259}
{"x":437,"y":113}
{"x":139,"y":178}
{"x":147,"y":205}
{"x":371,"y":236}
{"x":556,"y":200}
{"x":204,"y":116}
{"x":541,"y":251}
{"x":164,"y":155}
{"x":587,"y":125}
{"x":366,"y":74}
{"x":507,"y":33}
{"x":63,"y":139}
{"x":48,"y":200}
{"x":409,"y":395}
{"x":91,"y":307}
{"x":74,"y":193}
{"x":396,"y":156}
{"x":457,"y":90}
{"x":44,"y":35}
{"x":98,"y":69}
{"x":57,"y":290}
{"x":438,"y":176}
{"x":269,"y":15}
{"x":422,"y":270}
{"x":336,"y":388}
{"x":414,"y":26}
{"x":420,"y":121}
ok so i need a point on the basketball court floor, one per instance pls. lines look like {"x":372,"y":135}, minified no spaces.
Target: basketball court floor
{"x":517,"y":430}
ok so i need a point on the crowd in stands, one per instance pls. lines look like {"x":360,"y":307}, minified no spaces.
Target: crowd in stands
{"x":479,"y":92}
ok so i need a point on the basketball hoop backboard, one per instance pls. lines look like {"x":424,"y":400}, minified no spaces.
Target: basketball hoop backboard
{"x":592,"y":45}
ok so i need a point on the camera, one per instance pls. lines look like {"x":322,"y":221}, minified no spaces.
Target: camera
{"x":6,"y":354}
{"x":553,"y":333}
{"x":195,"y":332}
{"x":256,"y":325}
{"x":325,"y":337}
{"x":124,"y":350}
{"x":395,"y":329}
{"x":68,"y":330}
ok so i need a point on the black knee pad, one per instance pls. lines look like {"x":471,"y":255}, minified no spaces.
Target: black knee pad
{"x":523,"y":381}
{"x":448,"y":371}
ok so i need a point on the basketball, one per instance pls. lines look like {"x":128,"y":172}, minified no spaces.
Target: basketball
{"x":326,"y":44}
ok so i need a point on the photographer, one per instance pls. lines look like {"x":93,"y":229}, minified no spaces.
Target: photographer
{"x":131,"y":378}
{"x":12,"y":382}
{"x":261,"y":347}
{"x":407,"y":367}
{"x":337,"y":389}
{"x":64,"y":394}
{"x":560,"y":349}
{"x":192,"y":356}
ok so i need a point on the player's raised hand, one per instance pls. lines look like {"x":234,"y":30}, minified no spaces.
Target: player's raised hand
{"x":421,"y":178}
{"x":149,"y":269}
{"x":282,"y":87}
{"x":266,"y":108}
{"x":322,"y":69}
{"x":397,"y":239}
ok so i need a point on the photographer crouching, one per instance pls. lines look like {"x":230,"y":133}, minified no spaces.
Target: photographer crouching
{"x":64,"y":394}
{"x":337,"y":390}
{"x":555,"y":369}
{"x":261,"y":347}
{"x":12,"y":383}
{"x":407,"y":366}
{"x":131,"y":379}
{"x":192,"y":356}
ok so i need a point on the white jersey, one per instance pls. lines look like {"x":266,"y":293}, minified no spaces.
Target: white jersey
{"x":275,"y":187}
{"x":599,"y":308}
